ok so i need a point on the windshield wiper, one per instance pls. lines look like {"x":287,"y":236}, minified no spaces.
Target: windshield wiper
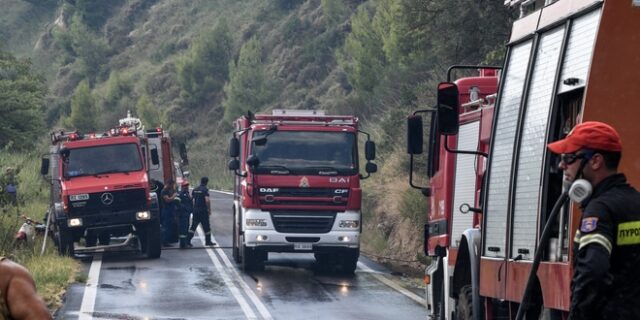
{"x":110,"y":171}
{"x":324,"y":170}
{"x":275,"y":169}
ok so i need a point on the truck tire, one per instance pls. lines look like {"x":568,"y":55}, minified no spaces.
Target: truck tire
{"x":349,"y":261}
{"x":64,"y":241}
{"x":252,"y":259}
{"x":150,"y":240}
{"x":235,"y":250}
{"x":91,"y":240}
{"x":464,"y":304}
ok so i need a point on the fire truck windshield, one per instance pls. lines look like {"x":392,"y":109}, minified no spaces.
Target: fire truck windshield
{"x":306,"y":152}
{"x":102,"y":159}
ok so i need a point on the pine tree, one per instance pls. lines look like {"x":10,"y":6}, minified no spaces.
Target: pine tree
{"x":246,"y":89}
{"x":22,"y":95}
{"x":203,"y":73}
{"x":83,"y":109}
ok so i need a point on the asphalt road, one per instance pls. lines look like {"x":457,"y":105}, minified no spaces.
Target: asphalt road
{"x":205,"y":283}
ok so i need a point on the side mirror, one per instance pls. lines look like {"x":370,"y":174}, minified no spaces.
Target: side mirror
{"x":371,"y":167}
{"x":370,"y":150}
{"x":448,"y":106}
{"x":415,"y":134}
{"x":183,"y":154}
{"x":64,"y":153}
{"x":44,"y":166}
{"x":234,"y":147}
{"x":253,"y":161}
{"x":234,"y":164}
{"x":155,"y":158}
{"x":260,"y":140}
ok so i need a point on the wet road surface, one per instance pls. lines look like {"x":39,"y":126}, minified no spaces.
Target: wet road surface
{"x":204,"y":283}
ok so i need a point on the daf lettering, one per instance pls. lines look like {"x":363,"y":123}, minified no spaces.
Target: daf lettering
{"x":267,"y":190}
{"x":338,"y":180}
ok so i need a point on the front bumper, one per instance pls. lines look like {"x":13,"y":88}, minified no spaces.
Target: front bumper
{"x":273,"y":241}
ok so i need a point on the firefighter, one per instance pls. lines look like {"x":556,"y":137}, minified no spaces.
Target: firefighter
{"x":169,"y":197}
{"x":18,"y":296}
{"x":607,"y":242}
{"x":201,"y":211}
{"x":186,"y":208}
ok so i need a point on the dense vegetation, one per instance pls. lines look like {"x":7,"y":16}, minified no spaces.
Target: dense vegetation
{"x":193,"y":66}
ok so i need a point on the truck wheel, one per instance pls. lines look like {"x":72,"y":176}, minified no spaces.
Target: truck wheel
{"x":150,"y":240}
{"x":105,"y":238}
{"x":464,"y":304}
{"x":65,"y":242}
{"x":91,"y":240}
{"x":235,"y":250}
{"x":252,"y":259}
{"x":350,"y":261}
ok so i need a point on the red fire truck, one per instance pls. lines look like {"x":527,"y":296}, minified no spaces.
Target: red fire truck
{"x":567,"y":61}
{"x":297,"y":187}
{"x":101,"y":187}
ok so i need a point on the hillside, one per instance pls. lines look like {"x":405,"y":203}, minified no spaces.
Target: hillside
{"x":193,"y":65}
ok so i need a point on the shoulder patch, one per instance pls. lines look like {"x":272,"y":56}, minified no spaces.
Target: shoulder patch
{"x":589,"y":224}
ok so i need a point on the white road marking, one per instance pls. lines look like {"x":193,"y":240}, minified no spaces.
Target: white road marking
{"x":227,"y":280}
{"x":254,"y":298}
{"x":392,"y":284}
{"x":91,"y":290}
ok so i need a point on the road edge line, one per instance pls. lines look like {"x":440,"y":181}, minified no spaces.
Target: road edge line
{"x":91,"y":289}
{"x":392,"y":284}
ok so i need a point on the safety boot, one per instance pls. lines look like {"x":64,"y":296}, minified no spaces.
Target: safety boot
{"x":207,"y":240}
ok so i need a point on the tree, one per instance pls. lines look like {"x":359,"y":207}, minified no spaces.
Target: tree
{"x":150,"y":115}
{"x":246,"y":89}
{"x":203,"y":72}
{"x":362,"y":57}
{"x":88,"y":47}
{"x":22,"y":95}
{"x":83,"y":109}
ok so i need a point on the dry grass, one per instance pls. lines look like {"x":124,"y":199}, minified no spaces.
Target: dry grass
{"x":394,"y":217}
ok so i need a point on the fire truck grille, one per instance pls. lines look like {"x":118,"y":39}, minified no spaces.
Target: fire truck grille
{"x":109,"y":201}
{"x":303,"y":222}
{"x":305,"y":196}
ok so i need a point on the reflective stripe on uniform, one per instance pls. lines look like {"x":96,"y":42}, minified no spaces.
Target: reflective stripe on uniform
{"x":576,"y":239}
{"x":629,"y":233}
{"x":596,"y":238}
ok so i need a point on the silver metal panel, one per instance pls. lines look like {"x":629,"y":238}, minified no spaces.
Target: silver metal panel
{"x":533,"y":143}
{"x":502,"y":150}
{"x":579,"y":51}
{"x":465,"y":180}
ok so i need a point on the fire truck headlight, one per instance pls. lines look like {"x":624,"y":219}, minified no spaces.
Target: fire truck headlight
{"x":75,"y":222}
{"x":256,"y":222}
{"x":349,"y":224}
{"x":143,"y":215}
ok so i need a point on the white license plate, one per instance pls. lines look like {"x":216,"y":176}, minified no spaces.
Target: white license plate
{"x":302,"y":246}
{"x":79,"y":197}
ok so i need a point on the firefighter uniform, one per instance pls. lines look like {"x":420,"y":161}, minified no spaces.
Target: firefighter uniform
{"x":184,"y":212}
{"x":607,"y":254}
{"x":201,"y":213}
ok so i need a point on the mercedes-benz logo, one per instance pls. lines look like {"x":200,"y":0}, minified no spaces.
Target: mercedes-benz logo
{"x":107,"y":198}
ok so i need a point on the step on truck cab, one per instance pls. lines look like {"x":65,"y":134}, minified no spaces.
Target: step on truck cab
{"x":297,"y":187}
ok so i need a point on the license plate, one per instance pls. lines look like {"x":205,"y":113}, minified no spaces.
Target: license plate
{"x":302,"y":246}
{"x":79,"y":197}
